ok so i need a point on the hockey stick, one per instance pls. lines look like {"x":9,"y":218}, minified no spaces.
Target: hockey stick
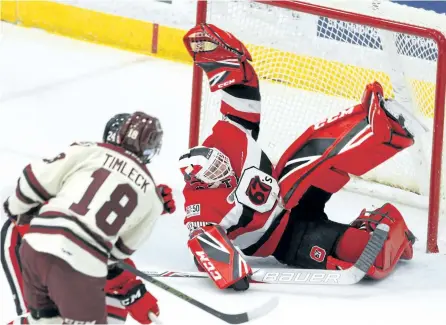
{"x":229,"y":318}
{"x":308,"y":276}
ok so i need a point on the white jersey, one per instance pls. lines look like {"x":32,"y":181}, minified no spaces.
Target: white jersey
{"x":101,"y":204}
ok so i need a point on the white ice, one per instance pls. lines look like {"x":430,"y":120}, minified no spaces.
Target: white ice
{"x":56,"y":90}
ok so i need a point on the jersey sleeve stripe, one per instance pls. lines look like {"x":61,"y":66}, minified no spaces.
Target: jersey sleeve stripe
{"x":22,"y":197}
{"x":123,"y":248}
{"x":69,"y":234}
{"x":35,"y":185}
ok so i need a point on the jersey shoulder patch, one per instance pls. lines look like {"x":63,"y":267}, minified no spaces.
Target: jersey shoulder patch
{"x":193,"y":210}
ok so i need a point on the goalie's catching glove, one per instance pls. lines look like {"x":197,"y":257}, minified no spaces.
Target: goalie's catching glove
{"x":224,"y":58}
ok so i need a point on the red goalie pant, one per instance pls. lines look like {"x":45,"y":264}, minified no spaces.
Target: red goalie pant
{"x":10,"y":259}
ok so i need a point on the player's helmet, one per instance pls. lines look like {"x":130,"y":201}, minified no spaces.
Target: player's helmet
{"x":138,"y":133}
{"x":112,"y":127}
{"x":209,"y":165}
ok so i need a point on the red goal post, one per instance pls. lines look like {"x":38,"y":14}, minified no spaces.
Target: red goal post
{"x":437,"y":128}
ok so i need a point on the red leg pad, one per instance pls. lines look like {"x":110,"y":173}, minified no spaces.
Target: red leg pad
{"x":354,"y":141}
{"x":398,"y":244}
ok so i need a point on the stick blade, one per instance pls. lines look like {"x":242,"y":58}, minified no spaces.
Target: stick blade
{"x":264,"y":309}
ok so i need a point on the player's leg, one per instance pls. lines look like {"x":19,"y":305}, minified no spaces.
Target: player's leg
{"x":10,"y":259}
{"x":309,"y":237}
{"x":42,"y":309}
{"x":397,"y":246}
{"x":75,"y":297}
{"x":312,"y":241}
{"x":354,"y":141}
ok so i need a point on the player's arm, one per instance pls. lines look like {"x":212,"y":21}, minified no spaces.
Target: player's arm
{"x":226,"y":62}
{"x":208,"y":242}
{"x":40,"y":181}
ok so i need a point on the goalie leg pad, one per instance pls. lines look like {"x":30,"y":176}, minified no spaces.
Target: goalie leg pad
{"x":310,"y":238}
{"x":216,"y":254}
{"x":354,"y":141}
{"x":398,"y":244}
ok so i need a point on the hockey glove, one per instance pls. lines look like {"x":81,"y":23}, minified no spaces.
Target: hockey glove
{"x":21,"y":221}
{"x":222,"y":56}
{"x":138,"y":301}
{"x":132,"y":293}
{"x":166,"y":194}
{"x":8,"y":213}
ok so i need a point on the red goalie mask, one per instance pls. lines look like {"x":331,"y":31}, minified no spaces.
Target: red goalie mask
{"x":209,"y":165}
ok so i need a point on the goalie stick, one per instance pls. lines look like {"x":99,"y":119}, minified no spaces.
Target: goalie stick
{"x":229,"y":318}
{"x":349,"y":276}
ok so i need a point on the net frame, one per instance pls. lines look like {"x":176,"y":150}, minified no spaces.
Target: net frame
{"x":370,"y":21}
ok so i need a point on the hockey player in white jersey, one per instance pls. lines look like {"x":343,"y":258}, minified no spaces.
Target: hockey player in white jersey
{"x":94,"y":204}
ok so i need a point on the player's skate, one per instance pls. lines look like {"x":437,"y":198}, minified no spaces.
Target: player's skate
{"x":395,"y":119}
{"x":398,"y":112}
{"x":398,"y":244}
{"x":399,"y":232}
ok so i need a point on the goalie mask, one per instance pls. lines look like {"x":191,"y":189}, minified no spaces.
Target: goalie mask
{"x":208,"y":165}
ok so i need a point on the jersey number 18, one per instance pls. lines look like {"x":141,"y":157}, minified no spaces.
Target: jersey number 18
{"x":110,"y":226}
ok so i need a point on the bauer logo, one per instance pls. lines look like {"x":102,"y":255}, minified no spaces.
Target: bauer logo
{"x":342,"y":31}
{"x":301,"y":277}
{"x":193,"y":210}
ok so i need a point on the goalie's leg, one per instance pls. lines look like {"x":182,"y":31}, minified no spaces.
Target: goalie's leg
{"x":312,"y":241}
{"x":397,"y":246}
{"x":354,"y":141}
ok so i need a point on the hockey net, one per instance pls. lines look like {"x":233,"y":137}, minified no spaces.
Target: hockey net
{"x":314,"y":61}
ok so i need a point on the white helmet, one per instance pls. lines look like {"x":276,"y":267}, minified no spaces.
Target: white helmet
{"x":208,"y":165}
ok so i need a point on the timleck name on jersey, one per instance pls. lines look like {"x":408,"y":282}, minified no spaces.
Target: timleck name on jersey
{"x":131,"y":173}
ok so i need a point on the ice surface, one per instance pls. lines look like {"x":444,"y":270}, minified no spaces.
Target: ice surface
{"x":56,"y":90}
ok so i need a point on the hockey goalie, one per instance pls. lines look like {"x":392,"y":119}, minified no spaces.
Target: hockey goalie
{"x":238,"y":204}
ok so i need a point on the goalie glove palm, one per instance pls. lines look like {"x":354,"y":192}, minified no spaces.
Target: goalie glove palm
{"x":222,"y":56}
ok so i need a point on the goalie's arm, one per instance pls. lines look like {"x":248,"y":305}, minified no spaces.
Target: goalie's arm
{"x":226,"y":62}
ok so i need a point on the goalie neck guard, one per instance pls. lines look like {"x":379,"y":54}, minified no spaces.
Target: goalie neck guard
{"x":209,"y":165}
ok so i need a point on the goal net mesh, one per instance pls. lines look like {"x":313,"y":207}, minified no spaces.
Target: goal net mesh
{"x":311,"y":67}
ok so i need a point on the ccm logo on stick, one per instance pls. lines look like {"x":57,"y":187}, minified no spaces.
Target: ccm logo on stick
{"x":207,"y":264}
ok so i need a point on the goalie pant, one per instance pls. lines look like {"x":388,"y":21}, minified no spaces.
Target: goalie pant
{"x":11,"y":239}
